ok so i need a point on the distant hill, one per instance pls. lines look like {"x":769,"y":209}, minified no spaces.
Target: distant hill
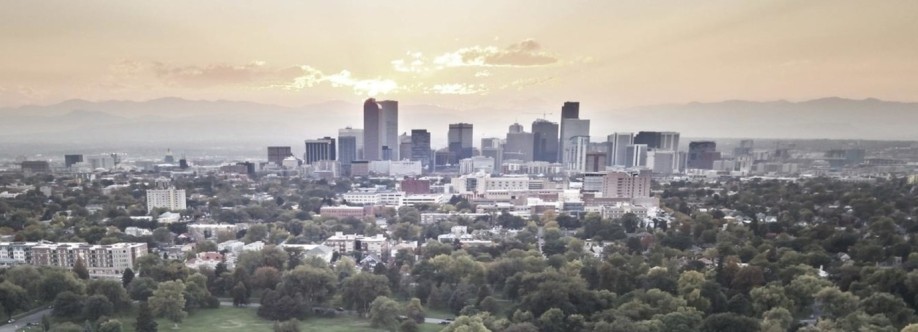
{"x":176,"y":121}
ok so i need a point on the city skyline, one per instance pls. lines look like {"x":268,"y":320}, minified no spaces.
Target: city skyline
{"x":611,"y":55}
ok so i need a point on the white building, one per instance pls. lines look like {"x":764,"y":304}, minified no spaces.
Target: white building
{"x":575,"y":153}
{"x":480,"y":183}
{"x":171,"y":199}
{"x":395,"y":168}
{"x":476,"y":164}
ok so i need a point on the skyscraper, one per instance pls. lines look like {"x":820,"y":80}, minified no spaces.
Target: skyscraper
{"x":357,"y":133}
{"x":276,"y":154}
{"x":570,"y":110}
{"x":662,"y":140}
{"x":618,"y":148}
{"x":636,"y":155}
{"x":70,"y":159}
{"x":545,"y":141}
{"x":460,"y":141}
{"x":519,"y":144}
{"x":380,"y":130}
{"x":576,"y":153}
{"x":420,"y":148}
{"x":347,"y":152}
{"x":571,"y":126}
{"x":319,"y":149}
{"x":404,"y":146}
{"x":702,"y":154}
{"x":493,"y":147}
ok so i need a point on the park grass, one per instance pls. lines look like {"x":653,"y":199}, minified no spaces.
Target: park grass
{"x":246,"y":319}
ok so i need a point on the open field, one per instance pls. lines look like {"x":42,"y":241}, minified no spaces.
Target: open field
{"x":245,"y":319}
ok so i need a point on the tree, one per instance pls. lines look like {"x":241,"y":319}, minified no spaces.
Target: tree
{"x":266,"y":277}
{"x":142,"y":288}
{"x":552,"y":321}
{"x":127,"y":277}
{"x":777,"y":320}
{"x":729,"y":322}
{"x":314,"y":285}
{"x":12,"y":298}
{"x":97,"y":306}
{"x":111,"y":290}
{"x":290,"y":325}
{"x":276,"y":305}
{"x":384,"y":313}
{"x":145,"y":321}
{"x":768,"y":297}
{"x":79,"y":268}
{"x":415,"y":311}
{"x":68,"y":304}
{"x":56,"y":281}
{"x":359,"y":290}
{"x":240,"y":294}
{"x":835,"y":303}
{"x":408,"y":325}
{"x":168,"y":301}
{"x":888,"y":305}
{"x":111,"y":325}
{"x":467,"y":324}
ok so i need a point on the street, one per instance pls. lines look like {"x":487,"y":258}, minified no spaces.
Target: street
{"x":22,"y":321}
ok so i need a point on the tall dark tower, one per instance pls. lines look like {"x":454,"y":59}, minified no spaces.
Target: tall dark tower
{"x":545,"y":136}
{"x":570,"y":110}
{"x":371,"y":146}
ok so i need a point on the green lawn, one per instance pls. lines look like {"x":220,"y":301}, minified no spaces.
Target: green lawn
{"x":245,"y":319}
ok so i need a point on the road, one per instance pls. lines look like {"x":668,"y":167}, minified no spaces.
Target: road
{"x":22,"y":321}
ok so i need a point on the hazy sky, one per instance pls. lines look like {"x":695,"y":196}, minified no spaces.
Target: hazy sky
{"x":466,"y":53}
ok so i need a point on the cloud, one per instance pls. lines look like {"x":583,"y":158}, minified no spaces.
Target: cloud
{"x":253,"y":73}
{"x":312,"y":77}
{"x":456,"y":89}
{"x":527,"y":53}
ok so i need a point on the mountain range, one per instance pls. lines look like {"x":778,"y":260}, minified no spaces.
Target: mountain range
{"x":181,"y":122}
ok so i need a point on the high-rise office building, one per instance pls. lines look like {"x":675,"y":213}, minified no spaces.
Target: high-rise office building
{"x":570,"y":110}
{"x":420,"y":148}
{"x":70,"y":159}
{"x":460,"y":142}
{"x":357,"y":133}
{"x":595,"y":162}
{"x":347,"y":152}
{"x":577,"y":149}
{"x":380,"y":130}
{"x":571,"y":126}
{"x":493,"y":147}
{"x":636,"y":155}
{"x":702,"y":154}
{"x":744,"y":149}
{"x":659,"y":140}
{"x":404,"y":146}
{"x":320,"y":149}
{"x":519,"y":145}
{"x":618,"y":148}
{"x":661,"y":161}
{"x":545,"y":141}
{"x":277,"y":154}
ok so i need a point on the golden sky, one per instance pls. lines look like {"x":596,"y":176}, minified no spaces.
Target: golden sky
{"x":466,"y":54}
